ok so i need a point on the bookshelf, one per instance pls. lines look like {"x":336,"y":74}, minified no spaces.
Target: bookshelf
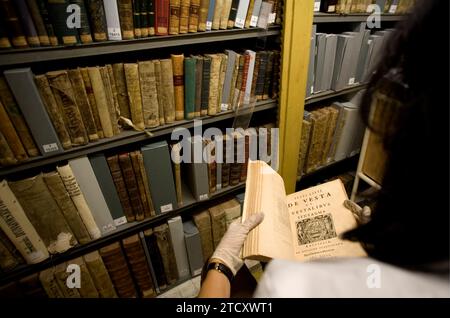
{"x":320,"y":17}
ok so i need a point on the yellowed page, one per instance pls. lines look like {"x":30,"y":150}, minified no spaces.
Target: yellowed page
{"x":317,"y":218}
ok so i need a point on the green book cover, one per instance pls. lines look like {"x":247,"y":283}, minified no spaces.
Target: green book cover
{"x":189,"y":86}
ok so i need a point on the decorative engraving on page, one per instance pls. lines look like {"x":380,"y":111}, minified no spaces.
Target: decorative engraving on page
{"x":315,"y":229}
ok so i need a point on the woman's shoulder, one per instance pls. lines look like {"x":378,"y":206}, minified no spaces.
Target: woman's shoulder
{"x":356,"y":277}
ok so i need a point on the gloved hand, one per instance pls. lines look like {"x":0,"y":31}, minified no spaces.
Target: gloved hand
{"x":229,"y":248}
{"x":362,"y":215}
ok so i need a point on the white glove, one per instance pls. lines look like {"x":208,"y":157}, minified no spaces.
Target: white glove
{"x":229,"y":248}
{"x":362,"y":215}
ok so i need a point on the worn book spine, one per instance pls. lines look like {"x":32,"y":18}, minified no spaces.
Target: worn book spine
{"x":67,"y":207}
{"x":18,"y":228}
{"x":13,"y":25}
{"x":213,"y":103}
{"x":176,"y":160}
{"x":162,"y":10}
{"x":243,"y":176}
{"x":255,"y":77}
{"x":139,"y":266}
{"x":38,"y":22}
{"x":146,"y":208}
{"x":144,"y":176}
{"x":178,"y":83}
{"x":137,"y":18}
{"x":116,"y":173}
{"x":210,"y":15}
{"x":125,"y":8}
{"x":92,"y":103}
{"x":233,"y":13}
{"x":159,"y":91}
{"x":114,"y":94}
{"x":316,"y":131}
{"x":239,"y":80}
{"x":78,"y":199}
{"x":212,"y":170}
{"x":155,"y":258}
{"x":334,"y":113}
{"x":249,"y":14}
{"x":168,"y":91}
{"x":243,"y":83}
{"x":198,"y":85}
{"x":189,"y":84}
{"x":147,"y":80}
{"x":275,"y":75}
{"x":6,"y":155}
{"x":111,"y":103}
{"x":132,"y":186}
{"x":304,"y":145}
{"x":222,"y":73}
{"x":122,"y":92}
{"x":42,"y":210}
{"x":4,"y":39}
{"x":203,"y":15}
{"x":10,"y":134}
{"x":206,"y":79}
{"x":174,"y":16}
{"x":82,"y":101}
{"x":218,"y":223}
{"x":42,"y":6}
{"x":85,"y":30}
{"x":61,"y":275}
{"x":64,"y":96}
{"x":203,"y":222}
{"x":226,"y":163}
{"x":269,"y":74}
{"x":184,"y":16}
{"x":10,"y":256}
{"x":225,"y":13}
{"x":99,"y":275}
{"x":112,"y":20}
{"x":58,"y":15}
{"x":236,"y":166}
{"x":217,"y":14}
{"x":150,"y":7}
{"x":194,"y":11}
{"x":97,"y":19}
{"x":49,"y":283}
{"x":234,"y":80}
{"x":143,"y":15}
{"x":259,"y":89}
{"x":27,"y":23}
{"x":165,"y":247}
{"x":87,"y":287}
{"x":134,"y":94}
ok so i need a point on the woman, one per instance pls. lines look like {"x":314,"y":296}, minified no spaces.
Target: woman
{"x":407,"y":236}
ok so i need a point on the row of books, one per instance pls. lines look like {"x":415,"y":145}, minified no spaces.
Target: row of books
{"x":362,"y":6}
{"x":330,"y":134}
{"x":90,"y":197}
{"x":341,"y":60}
{"x":34,"y":23}
{"x":142,"y":265}
{"x":53,"y":112}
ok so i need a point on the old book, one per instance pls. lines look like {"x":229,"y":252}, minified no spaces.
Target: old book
{"x":168,"y":92}
{"x":115,"y":262}
{"x":87,"y":287}
{"x":178,"y":83}
{"x":4,"y":39}
{"x":217,"y":14}
{"x":249,"y":14}
{"x":10,"y":135}
{"x":266,"y":10}
{"x":18,"y":228}
{"x":255,"y":13}
{"x":50,"y":284}
{"x":226,"y":158}
{"x":67,"y":207}
{"x":78,"y":199}
{"x":137,"y":18}
{"x":222,"y":72}
{"x":194,"y":11}
{"x":151,"y":245}
{"x":203,"y":222}
{"x":184,"y":16}
{"x":237,"y":141}
{"x":162,"y":12}
{"x":85,"y":177}
{"x":61,"y":276}
{"x":150,"y":107}
{"x":32,"y":287}
{"x":58,"y":14}
{"x":213,"y":102}
{"x":242,"y":80}
{"x":125,"y":8}
{"x":179,"y":246}
{"x":210,"y":15}
{"x":203,"y":15}
{"x":112,"y":20}
{"x":160,"y":177}
{"x":174,"y":16}
{"x":190,"y":87}
{"x":227,"y":80}
{"x":101,"y":101}
{"x":301,"y":226}
{"x":232,"y":13}
{"x":304,"y":143}
{"x":255,"y":77}
{"x":159,"y":92}
{"x":176,"y":160}
{"x":116,"y":173}
{"x":53,"y":110}
{"x":241,"y":13}
{"x":139,"y":266}
{"x":146,"y":184}
{"x":99,"y":275}
{"x":210,"y":150}
{"x":84,"y":31}
{"x":9,"y":255}
{"x":259,"y":90}
{"x":165,"y":247}
{"x":250,"y":150}
{"x":198,"y":85}
{"x":92,"y":103}
{"x":38,"y":22}
{"x":42,"y":210}
{"x":234,"y":92}
{"x":206,"y":78}
{"x":97,"y":19}
{"x":82,"y":101}
{"x":232,"y":210}
{"x":134,"y":94}
{"x":147,"y":204}
{"x":333,"y":116}
{"x":150,"y":7}
{"x":269,"y":74}
{"x":6,"y":155}
{"x":131,"y":185}
{"x":218,"y":223}
{"x":65,"y":98}
{"x":42,"y":6}
{"x":143,"y":15}
{"x":193,"y":247}
{"x":225,"y":13}
{"x":113,"y":107}
{"x":318,"y":120}
{"x":248,"y":77}
{"x":13,"y":25}
{"x":197,"y":173}
{"x":275,"y":76}
{"x":121,"y":89}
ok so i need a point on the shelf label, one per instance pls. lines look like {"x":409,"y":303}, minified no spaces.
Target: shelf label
{"x":272,"y":17}
{"x":312,"y":89}
{"x":203,"y":196}
{"x":224,"y":107}
{"x":351,"y":81}
{"x":239,"y":23}
{"x":331,"y":8}
{"x":393,"y":8}
{"x":316,"y":6}
{"x":166,"y":208}
{"x":208,"y":25}
{"x":50,"y":147}
{"x":254,"y":21}
{"x":120,"y":221}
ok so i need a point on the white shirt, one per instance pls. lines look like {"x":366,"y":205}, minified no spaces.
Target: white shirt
{"x":359,"y":277}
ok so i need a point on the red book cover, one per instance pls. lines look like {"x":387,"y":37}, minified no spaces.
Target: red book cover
{"x":161,"y":17}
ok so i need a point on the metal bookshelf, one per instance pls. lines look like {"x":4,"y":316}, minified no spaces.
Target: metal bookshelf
{"x":331,"y":94}
{"x":353,"y":17}
{"x":15,"y":57}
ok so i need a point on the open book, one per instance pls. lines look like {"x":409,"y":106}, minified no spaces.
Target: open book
{"x":301,"y":226}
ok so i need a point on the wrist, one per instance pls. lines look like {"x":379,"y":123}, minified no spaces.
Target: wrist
{"x":220,"y":267}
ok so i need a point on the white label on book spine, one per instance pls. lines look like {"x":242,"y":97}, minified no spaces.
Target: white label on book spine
{"x":208,"y":25}
{"x":272,"y":17}
{"x":50,"y":147}
{"x":219,"y":186}
{"x":331,"y":8}
{"x":166,"y":208}
{"x":371,"y":8}
{"x":120,"y":221}
{"x":114,"y":34}
{"x":312,"y":89}
{"x":224,"y":107}
{"x":239,"y":23}
{"x":351,"y":81}
{"x":254,"y":21}
{"x":203,"y":196}
{"x":393,"y":8}
{"x":316,"y":6}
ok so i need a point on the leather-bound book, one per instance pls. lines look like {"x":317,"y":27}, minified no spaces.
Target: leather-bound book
{"x":165,"y":247}
{"x":189,"y":84}
{"x":58,"y":14}
{"x":132,"y":186}
{"x":150,"y":7}
{"x":269,"y":74}
{"x":150,"y":107}
{"x":194,"y":11}
{"x":126,"y":18}
{"x":218,"y":223}
{"x":198,"y":85}
{"x":203,"y":15}
{"x":147,"y":205}
{"x":184,"y":15}
{"x":137,"y":18}
{"x":45,"y":15}
{"x":122,"y":92}
{"x":97,"y":19}
{"x":203,"y":222}
{"x":213,"y":102}
{"x":85,"y":30}
{"x":6,"y":155}
{"x":33,"y":9}
{"x":11,"y":136}
{"x":87,"y":287}
{"x":134,"y":94}
{"x":111,"y":103}
{"x":13,"y":25}
{"x":178,"y":83}
{"x":27,"y":22}
{"x":174,"y":16}
{"x":206,"y":78}
{"x":168,"y":94}
{"x":151,"y":245}
{"x":225,"y":14}
{"x":162,"y":12}
{"x":143,"y":15}
{"x":50,"y":284}
{"x":159,"y":91}
{"x":92,"y":103}
{"x":99,"y":275}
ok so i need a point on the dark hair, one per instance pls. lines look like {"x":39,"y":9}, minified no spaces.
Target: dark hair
{"x":410,"y":222}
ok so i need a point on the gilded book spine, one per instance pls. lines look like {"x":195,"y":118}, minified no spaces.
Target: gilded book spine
{"x":150,"y":7}
{"x":150,"y":107}
{"x":143,"y":18}
{"x":174,"y":19}
{"x":217,"y":14}
{"x":9,"y":133}
{"x":178,"y":83}
{"x":134,"y":94}
{"x":64,"y":96}
{"x":126,"y":18}
{"x":137,"y":18}
{"x":162,"y":12}
{"x":112,"y":111}
{"x":194,"y":11}
{"x":90,"y":93}
{"x":184,"y":16}
{"x":167,"y":88}
{"x":78,"y":199}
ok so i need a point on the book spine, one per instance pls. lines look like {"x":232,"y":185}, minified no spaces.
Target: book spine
{"x":18,"y":228}
{"x":222,"y":73}
{"x":259,"y":90}
{"x":143,"y":18}
{"x":162,"y":10}
{"x":112,"y":20}
{"x":132,"y":186}
{"x":125,"y":9}
{"x":203,"y":222}
{"x":13,"y":25}
{"x":10,"y":134}
{"x":64,"y":96}
{"x":198,"y":85}
{"x":155,"y":258}
{"x":206,"y":78}
{"x":203,"y":15}
{"x":4,"y":39}
{"x":184,"y":16}
{"x":159,"y":91}
{"x":174,"y":18}
{"x":275,"y":76}
{"x":111,"y":103}
{"x":144,"y":177}
{"x":116,"y":174}
{"x":241,"y":13}
{"x":249,"y":78}
{"x":122,"y":92}
{"x":82,"y":101}
{"x":176,"y":160}
{"x":210,"y":16}
{"x":217,"y":14}
{"x":57,"y":12}
{"x":115,"y":94}
{"x":16,"y":117}
{"x":85,"y":30}
{"x":190,"y":85}
{"x":61,"y":277}
{"x":249,"y":14}
{"x":168,"y":91}
{"x":165,"y":246}
{"x":150,"y":107}
{"x":218,"y":223}
{"x":243,"y":83}
{"x":150,"y":7}
{"x":146,"y":207}
{"x":92,"y":103}
{"x":234,"y":78}
{"x":134,"y":94}
{"x":6,"y":155}
{"x":268,"y":75}
{"x":45,"y":215}
{"x":213,"y":103}
{"x":97,"y":19}
{"x":225,"y":14}
{"x":255,"y":14}
{"x":99,"y":274}
{"x":137,"y":18}
{"x":233,"y":13}
{"x":193,"y":247}
{"x":194,"y":11}
{"x":67,"y":207}
{"x":225,"y":164}
{"x":78,"y":199}
{"x":255,"y":77}
{"x":27,"y":23}
{"x":49,"y":283}
{"x":87,"y":287}
{"x":179,"y":246}
{"x":178,"y":83}
{"x":47,"y":21}
{"x":38,"y":23}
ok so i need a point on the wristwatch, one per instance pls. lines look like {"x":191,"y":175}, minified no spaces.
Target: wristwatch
{"x":222,"y":268}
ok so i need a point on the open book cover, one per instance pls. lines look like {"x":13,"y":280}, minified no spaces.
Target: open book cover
{"x":302,"y":226}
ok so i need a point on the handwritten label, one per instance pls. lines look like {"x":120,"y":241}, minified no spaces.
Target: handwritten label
{"x":351,"y":81}
{"x":120,"y":221}
{"x":166,"y":208}
{"x":272,"y":17}
{"x":50,"y":147}
{"x":224,"y":107}
{"x":239,"y":23}
{"x":331,"y":8}
{"x":393,"y":8}
{"x":254,"y":21}
{"x":203,"y":197}
{"x":208,"y":25}
{"x":316,"y":6}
